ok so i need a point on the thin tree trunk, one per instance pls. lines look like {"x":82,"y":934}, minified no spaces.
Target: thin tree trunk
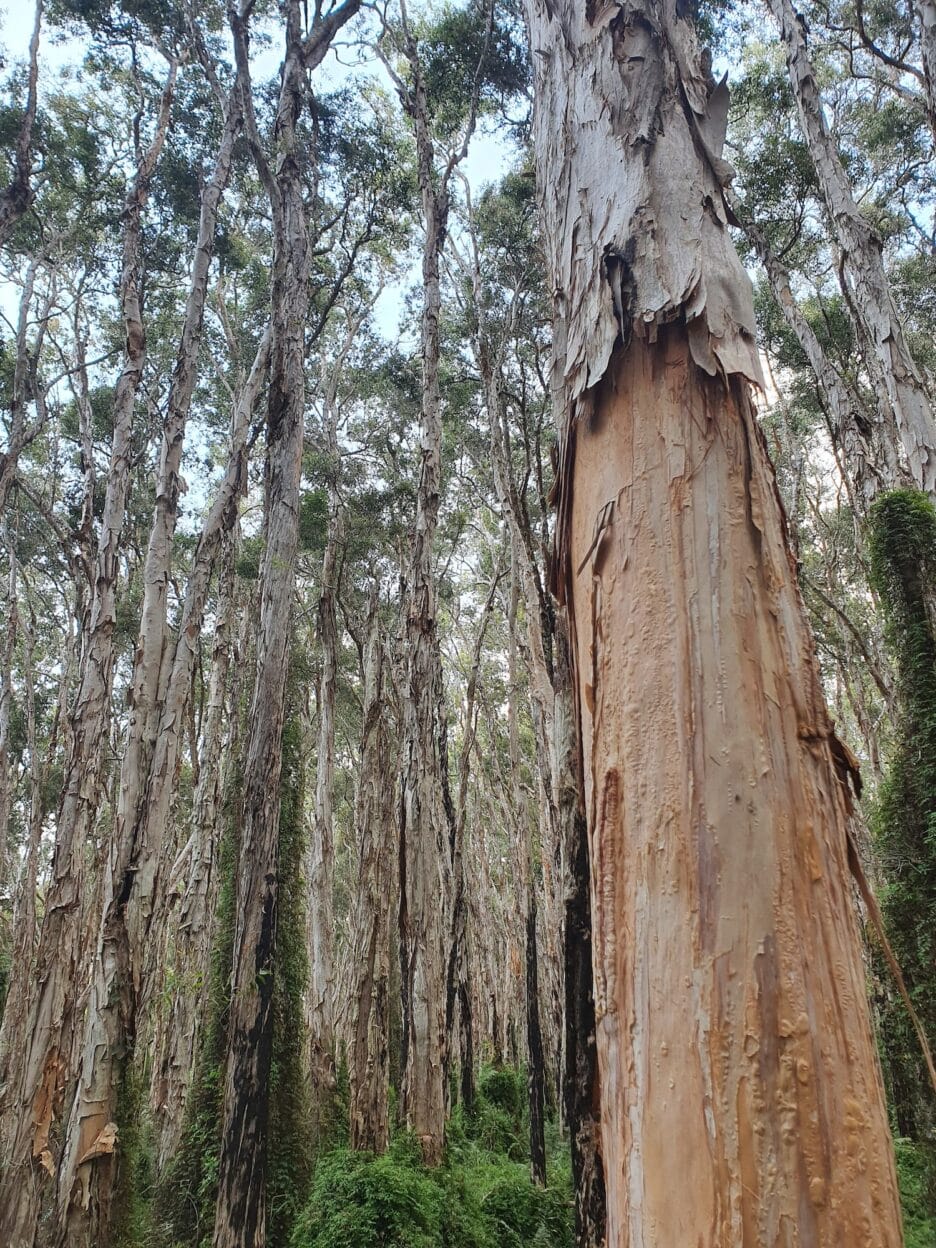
{"x":536,"y":1082}
{"x":38,"y":1077}
{"x":321,"y":918}
{"x":867,"y":288}
{"x":369,"y":1065}
{"x":11,"y":618}
{"x":240,"y":1213}
{"x":733,"y":1040}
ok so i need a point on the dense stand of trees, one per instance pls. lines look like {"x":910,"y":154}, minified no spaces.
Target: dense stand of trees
{"x":467,"y":606}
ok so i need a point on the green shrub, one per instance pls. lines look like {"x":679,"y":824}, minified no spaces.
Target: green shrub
{"x":360,"y":1200}
{"x":915,"y":1175}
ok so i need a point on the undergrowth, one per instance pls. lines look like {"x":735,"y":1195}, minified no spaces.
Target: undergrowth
{"x":480,"y":1197}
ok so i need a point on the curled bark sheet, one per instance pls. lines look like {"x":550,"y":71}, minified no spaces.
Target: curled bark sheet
{"x":629,"y":134}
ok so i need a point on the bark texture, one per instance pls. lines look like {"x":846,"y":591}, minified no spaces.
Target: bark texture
{"x":866,"y":286}
{"x":38,"y":1075}
{"x":159,"y":694}
{"x":426,"y":808}
{"x":241,"y":1209}
{"x":733,"y":1041}
{"x":717,"y":819}
{"x":369,"y":1056}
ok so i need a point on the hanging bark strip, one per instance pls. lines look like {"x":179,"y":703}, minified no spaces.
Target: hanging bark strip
{"x":240,"y":1214}
{"x":38,"y":1076}
{"x":733,"y":1040}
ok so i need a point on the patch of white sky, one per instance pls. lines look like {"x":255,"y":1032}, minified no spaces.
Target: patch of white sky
{"x":489,"y":156}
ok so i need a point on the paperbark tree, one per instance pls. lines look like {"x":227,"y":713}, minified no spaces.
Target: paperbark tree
{"x":38,"y":1076}
{"x":733,"y":1041}
{"x":427,"y":815}
{"x":865,"y":282}
{"x":374,"y":815}
{"x":159,"y":693}
{"x":240,"y":1213}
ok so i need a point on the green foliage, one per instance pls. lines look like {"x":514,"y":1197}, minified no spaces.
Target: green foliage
{"x":479,"y":1198}
{"x":185,"y":1197}
{"x":133,"y":1188}
{"x":903,"y":572}
{"x":915,"y":1174}
{"x":288,"y":1162}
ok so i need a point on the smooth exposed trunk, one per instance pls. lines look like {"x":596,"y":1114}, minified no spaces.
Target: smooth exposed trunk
{"x":733,"y":1041}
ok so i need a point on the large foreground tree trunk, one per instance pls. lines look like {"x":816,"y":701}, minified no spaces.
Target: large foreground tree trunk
{"x":733,"y":1040}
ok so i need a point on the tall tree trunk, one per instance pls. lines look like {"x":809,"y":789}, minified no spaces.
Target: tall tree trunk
{"x":240,"y":1214}
{"x":536,"y":1081}
{"x":321,"y":918}
{"x":38,"y":1076}
{"x":867,"y":290}
{"x":369,"y":1064}
{"x":426,"y":809}
{"x":11,"y":619}
{"x":733,"y":1041}
{"x":188,"y":949}
{"x":159,"y":695}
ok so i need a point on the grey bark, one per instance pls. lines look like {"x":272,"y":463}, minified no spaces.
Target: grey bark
{"x":240,"y":1212}
{"x":374,"y":815}
{"x":38,"y":1077}
{"x":866,"y":286}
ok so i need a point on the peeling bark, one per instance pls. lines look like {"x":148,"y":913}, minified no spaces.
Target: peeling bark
{"x":732,"y":1034}
{"x":369,"y":1057}
{"x":866,"y":286}
{"x":38,"y":1077}
{"x":159,"y":696}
